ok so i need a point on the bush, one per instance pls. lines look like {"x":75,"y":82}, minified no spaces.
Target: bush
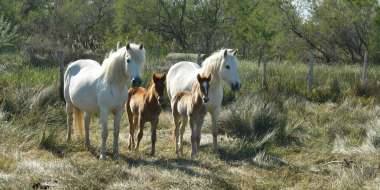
{"x":253,"y":119}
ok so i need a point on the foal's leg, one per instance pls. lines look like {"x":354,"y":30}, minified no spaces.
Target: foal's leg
{"x":193,"y":137}
{"x":153,"y":130}
{"x":117,"y":119}
{"x":132,"y":129}
{"x":141,"y":131}
{"x":87,"y":119}
{"x":184,"y":121}
{"x":69,"y":121}
{"x":103,"y":123}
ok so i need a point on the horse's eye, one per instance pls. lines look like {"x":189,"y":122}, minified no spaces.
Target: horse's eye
{"x":128,"y":60}
{"x":227,"y":67}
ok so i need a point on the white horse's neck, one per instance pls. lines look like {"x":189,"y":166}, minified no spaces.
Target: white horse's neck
{"x":114,"y":69}
{"x":212,"y":66}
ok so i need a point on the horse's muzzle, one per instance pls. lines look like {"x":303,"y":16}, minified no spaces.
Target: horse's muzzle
{"x":235,"y":86}
{"x":205,"y":99}
{"x":136,"y":81}
{"x":160,"y":100}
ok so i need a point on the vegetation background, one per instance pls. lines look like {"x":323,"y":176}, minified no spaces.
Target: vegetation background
{"x":276,"y":134}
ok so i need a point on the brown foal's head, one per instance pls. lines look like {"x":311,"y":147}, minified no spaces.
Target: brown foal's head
{"x":159,"y":87}
{"x":204,"y":85}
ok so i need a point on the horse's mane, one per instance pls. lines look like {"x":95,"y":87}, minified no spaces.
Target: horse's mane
{"x":114,"y":66}
{"x":114,"y":63}
{"x":213,"y":63}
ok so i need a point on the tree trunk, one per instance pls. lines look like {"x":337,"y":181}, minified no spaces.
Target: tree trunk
{"x":310,"y":74}
{"x":365,"y":69}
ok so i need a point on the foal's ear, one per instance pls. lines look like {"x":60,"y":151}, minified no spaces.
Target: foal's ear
{"x":225,"y":53}
{"x":128,"y":46}
{"x":155,"y":78}
{"x":163,"y":77}
{"x":141,"y":46}
{"x":234,"y":52}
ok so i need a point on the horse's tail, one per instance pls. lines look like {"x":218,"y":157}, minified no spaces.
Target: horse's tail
{"x":131,"y":92}
{"x":78,"y":121}
{"x":61,"y":82}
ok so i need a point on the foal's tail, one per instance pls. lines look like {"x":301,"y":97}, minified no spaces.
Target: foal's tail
{"x":78,"y":121}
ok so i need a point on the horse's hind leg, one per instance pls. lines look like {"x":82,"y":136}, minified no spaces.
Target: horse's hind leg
{"x":87,"y":119}
{"x":176,"y":133}
{"x":133,"y":125}
{"x":141,"y":131}
{"x":182,"y":131}
{"x":69,"y":121}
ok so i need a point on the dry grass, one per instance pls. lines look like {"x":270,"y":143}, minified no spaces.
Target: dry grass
{"x":308,"y":145}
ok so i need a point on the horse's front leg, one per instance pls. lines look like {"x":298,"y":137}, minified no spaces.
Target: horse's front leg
{"x":153,"y":136}
{"x":117,"y":119}
{"x":103,"y":123}
{"x":214,"y":118}
{"x":87,"y":119}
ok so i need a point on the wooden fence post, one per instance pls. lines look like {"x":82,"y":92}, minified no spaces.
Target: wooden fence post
{"x":365,"y":69}
{"x":60,"y":59}
{"x":264,"y":83}
{"x":309,"y":78}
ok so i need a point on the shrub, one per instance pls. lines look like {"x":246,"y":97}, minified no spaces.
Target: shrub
{"x":253,"y":119}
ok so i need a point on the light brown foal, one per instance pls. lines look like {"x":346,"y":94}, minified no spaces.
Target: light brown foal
{"x":190,"y":106}
{"x":144,"y":105}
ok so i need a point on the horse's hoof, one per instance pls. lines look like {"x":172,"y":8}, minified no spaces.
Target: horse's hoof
{"x":102,"y":157}
{"x":151,"y":154}
{"x":116,"y":157}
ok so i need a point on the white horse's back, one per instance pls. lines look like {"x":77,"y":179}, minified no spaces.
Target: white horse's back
{"x":80,"y":84}
{"x":181,"y":77}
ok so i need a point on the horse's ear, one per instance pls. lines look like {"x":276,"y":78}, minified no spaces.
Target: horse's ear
{"x":209,"y":78}
{"x":118,"y":45}
{"x":234,"y":52}
{"x":154,"y":77}
{"x":128,"y":46}
{"x":141,"y":46}
{"x":199,"y":78}
{"x":225,"y":53}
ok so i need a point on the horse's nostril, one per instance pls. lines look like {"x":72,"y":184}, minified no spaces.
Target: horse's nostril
{"x":136,"y":82}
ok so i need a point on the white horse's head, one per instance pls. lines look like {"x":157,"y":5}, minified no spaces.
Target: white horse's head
{"x":134,"y":62}
{"x":228,"y":70}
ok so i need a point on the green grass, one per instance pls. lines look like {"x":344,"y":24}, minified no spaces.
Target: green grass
{"x":274,"y":139}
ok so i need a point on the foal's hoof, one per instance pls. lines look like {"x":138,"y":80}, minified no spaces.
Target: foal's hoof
{"x":102,"y":157}
{"x":116,"y":156}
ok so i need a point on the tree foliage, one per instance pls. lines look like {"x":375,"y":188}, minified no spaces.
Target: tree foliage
{"x":337,"y":31}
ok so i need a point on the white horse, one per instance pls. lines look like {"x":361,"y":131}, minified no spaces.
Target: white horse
{"x":90,"y":87}
{"x":222,"y":65}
